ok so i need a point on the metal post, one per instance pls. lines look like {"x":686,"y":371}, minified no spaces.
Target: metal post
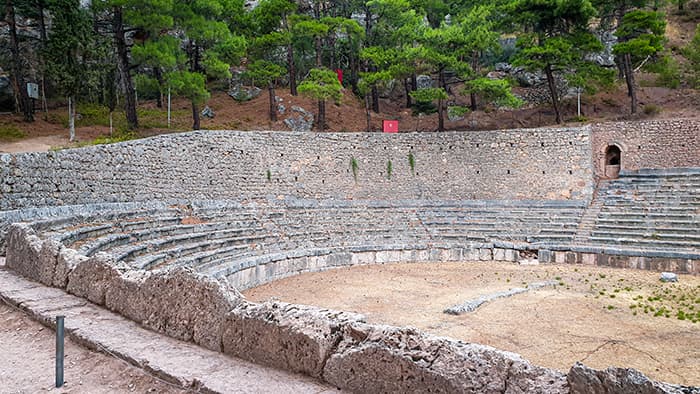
{"x":59,"y":351}
{"x":168,"y":106}
{"x":578,"y":95}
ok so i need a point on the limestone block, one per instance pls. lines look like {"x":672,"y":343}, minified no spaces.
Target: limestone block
{"x":588,"y":258}
{"x":559,"y":257}
{"x":186,"y":305}
{"x":66,"y":261}
{"x":374,"y":359}
{"x":23,"y":250}
{"x":296,"y":338}
{"x":511,"y":255}
{"x":583,"y":379}
{"x":91,"y":278}
{"x":125,"y":295}
{"x":485,"y":254}
{"x":48,"y":260}
{"x":363,"y":258}
{"x":499,"y":254}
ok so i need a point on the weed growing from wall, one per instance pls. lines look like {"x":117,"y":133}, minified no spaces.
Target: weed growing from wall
{"x":389,"y":169}
{"x":269,"y":176}
{"x":412,"y":163}
{"x":354,"y":167}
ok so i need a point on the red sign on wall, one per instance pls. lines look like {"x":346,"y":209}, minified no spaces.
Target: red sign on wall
{"x":390,"y":126}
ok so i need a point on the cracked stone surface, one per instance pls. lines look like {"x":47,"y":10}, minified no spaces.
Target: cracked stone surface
{"x":184,"y":364}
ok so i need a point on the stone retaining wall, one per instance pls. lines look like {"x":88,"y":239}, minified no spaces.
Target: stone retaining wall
{"x":682,"y":263}
{"x":336,"y":347}
{"x":516,"y":164}
{"x":665,"y":143}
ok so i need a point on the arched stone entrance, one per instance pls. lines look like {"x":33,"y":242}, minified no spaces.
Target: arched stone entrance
{"x":613,"y":160}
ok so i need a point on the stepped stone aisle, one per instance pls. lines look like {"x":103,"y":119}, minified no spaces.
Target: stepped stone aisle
{"x":184,"y":364}
{"x":588,"y":220}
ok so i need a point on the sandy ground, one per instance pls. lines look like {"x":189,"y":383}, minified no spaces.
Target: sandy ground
{"x":27,"y":365}
{"x":588,"y":317}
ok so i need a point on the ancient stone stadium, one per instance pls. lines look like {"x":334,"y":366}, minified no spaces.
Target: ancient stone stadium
{"x":168,"y":231}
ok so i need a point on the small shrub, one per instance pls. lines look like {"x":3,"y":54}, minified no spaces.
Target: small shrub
{"x":651,"y":109}
{"x":389,"y":169}
{"x":354,"y":166}
{"x":269,"y":176}
{"x":10,"y":133}
{"x":412,"y":162}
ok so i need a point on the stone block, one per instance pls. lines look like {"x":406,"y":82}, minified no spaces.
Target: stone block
{"x":378,"y":359}
{"x":588,"y":258}
{"x":499,"y":254}
{"x":485,"y":254}
{"x":559,"y":257}
{"x":363,"y":258}
{"x":91,"y":278}
{"x":585,"y":380}
{"x":66,"y":261}
{"x":23,"y":248}
{"x":185,"y":305}
{"x":295,"y":338}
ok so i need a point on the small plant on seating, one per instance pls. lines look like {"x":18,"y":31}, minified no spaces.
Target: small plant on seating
{"x":354,"y":166}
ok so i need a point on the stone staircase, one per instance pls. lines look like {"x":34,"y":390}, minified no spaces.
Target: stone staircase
{"x":650,"y":210}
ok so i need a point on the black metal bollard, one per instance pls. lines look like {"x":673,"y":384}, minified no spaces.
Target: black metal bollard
{"x":59,"y":351}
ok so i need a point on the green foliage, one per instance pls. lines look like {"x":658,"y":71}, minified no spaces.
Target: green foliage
{"x":263,"y":72}
{"x":322,"y":84}
{"x":354,"y":167}
{"x":692,"y":53}
{"x":389,"y":169}
{"x":668,"y":72}
{"x":147,"y":87}
{"x":191,"y":85}
{"x":11,"y":133}
{"x":412,"y":163}
{"x":641,"y":34}
{"x":651,"y":109}
{"x":428,"y":95}
{"x":495,"y":91}
{"x":269,"y":175}
{"x":67,"y":46}
{"x":457,"y":111}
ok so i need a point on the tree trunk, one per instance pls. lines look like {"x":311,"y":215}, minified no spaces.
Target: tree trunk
{"x":407,"y":89}
{"x":195,"y":116}
{"x":321,"y":124}
{"x":292,"y":70}
{"x":475,"y":68}
{"x":629,"y":78}
{"x":553,"y":92}
{"x":123,"y":63}
{"x":317,"y":44}
{"x":71,"y":118}
{"x":22,"y":100}
{"x":441,"y":115}
{"x":375,"y":99}
{"x":273,"y":101}
{"x":368,"y":113}
{"x":159,"y":78}
{"x":441,"y":110}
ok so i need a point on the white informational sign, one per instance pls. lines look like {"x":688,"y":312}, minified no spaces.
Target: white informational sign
{"x":33,"y":90}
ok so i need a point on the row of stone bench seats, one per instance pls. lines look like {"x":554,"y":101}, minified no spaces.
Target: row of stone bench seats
{"x":650,"y":211}
{"x":208,"y":239}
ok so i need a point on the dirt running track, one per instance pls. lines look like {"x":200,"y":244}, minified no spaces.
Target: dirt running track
{"x":588,"y":317}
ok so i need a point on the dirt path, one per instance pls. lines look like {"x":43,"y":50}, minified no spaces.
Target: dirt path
{"x":588,"y":317}
{"x":28,"y":348}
